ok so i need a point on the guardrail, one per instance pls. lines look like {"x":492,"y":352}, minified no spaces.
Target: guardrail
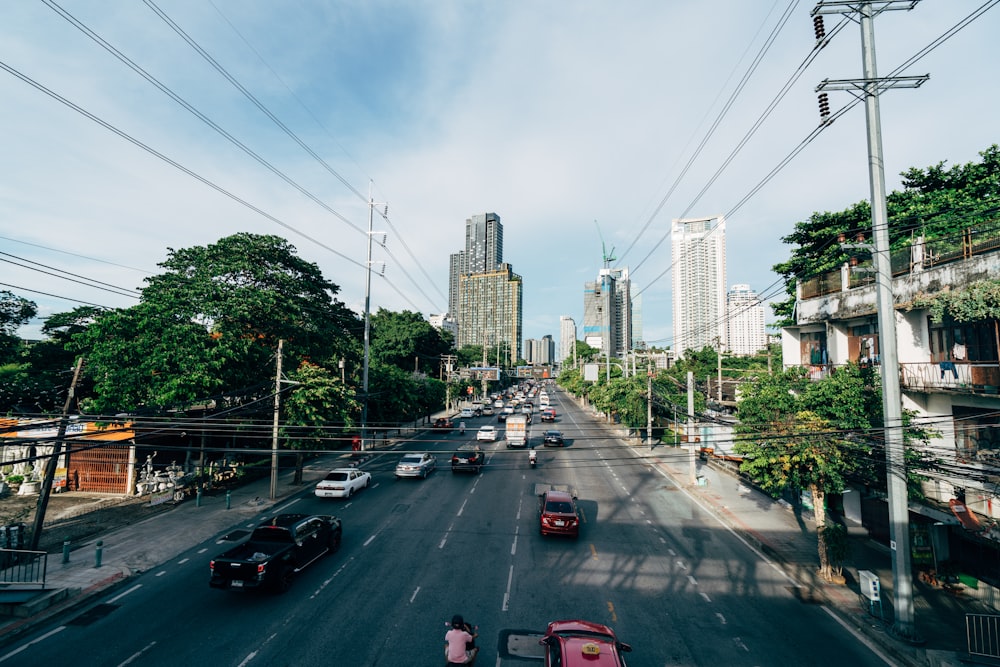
{"x":982,"y":633}
{"x":20,"y":568}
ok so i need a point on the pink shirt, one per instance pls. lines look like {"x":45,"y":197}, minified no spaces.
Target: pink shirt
{"x":457,"y":640}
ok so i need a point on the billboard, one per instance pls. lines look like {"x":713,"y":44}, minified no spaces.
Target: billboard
{"x":484,"y":373}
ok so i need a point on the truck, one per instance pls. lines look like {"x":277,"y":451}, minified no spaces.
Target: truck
{"x":277,"y":550}
{"x":517,"y":430}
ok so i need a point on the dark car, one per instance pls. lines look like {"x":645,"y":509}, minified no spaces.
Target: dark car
{"x":501,"y":416}
{"x":557,"y":513}
{"x":468,"y":458}
{"x":553,"y":439}
{"x":443,"y":423}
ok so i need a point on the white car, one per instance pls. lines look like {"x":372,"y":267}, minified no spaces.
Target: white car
{"x":466,"y":413}
{"x":342,"y":483}
{"x":487,"y":433}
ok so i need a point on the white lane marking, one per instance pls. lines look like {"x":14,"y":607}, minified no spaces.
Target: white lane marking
{"x":31,"y":643}
{"x":462,"y":508}
{"x":414,"y":596}
{"x":124,"y":593}
{"x":692,"y":580}
{"x":739,"y":642}
{"x":506,"y":595}
{"x":671,"y":551}
{"x":446,"y":534}
{"x":330,"y":580}
{"x":705,"y":595}
{"x":860,"y":637}
{"x":138,"y":654}
{"x":662,"y":539}
{"x":722,"y":619}
{"x":202,"y":550}
{"x":681,"y":564}
{"x":513,"y":547}
{"x":161,"y":573}
{"x":369,"y":540}
{"x":285,"y":507}
{"x":183,"y":560}
{"x":253,"y":655}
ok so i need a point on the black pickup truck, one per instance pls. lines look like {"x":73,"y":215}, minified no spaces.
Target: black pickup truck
{"x":277,"y":550}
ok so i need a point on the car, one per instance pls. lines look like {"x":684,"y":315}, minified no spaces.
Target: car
{"x":548,"y":414}
{"x":488,"y":410}
{"x":498,"y":404}
{"x":343,"y":483}
{"x":416,"y":465}
{"x":557,"y":513}
{"x":467,"y":413}
{"x":502,"y":416}
{"x":487,"y":433}
{"x":443,"y":423}
{"x":582,"y":644}
{"x":553,"y":439}
{"x":468,"y":458}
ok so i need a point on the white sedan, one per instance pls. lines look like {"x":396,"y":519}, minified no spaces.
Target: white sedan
{"x":342,"y":483}
{"x":487,"y":433}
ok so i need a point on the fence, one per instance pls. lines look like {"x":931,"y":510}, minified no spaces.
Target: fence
{"x":982,"y":632}
{"x":20,"y":568}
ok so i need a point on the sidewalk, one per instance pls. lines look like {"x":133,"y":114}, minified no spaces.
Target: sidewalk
{"x":141,"y":546}
{"x":789,"y":538}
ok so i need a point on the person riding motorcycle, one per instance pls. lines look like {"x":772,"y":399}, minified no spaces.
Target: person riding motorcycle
{"x":532,"y":457}
{"x":460,"y":642}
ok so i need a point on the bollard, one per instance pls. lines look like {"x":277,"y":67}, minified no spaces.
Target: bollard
{"x":197,"y":497}
{"x":65,"y":552}
{"x":229,"y":499}
{"x":98,"y":553}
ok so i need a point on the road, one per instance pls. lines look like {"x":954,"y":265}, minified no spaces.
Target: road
{"x":672,"y":581}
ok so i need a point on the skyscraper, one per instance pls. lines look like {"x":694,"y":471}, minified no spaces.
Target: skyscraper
{"x":745,"y":319}
{"x":483,"y":252}
{"x":567,"y":339}
{"x":490,"y":310}
{"x":698,"y":256}
{"x":607,"y":312}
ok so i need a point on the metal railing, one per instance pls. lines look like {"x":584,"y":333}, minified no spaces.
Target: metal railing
{"x":21,"y":568}
{"x":982,"y":633}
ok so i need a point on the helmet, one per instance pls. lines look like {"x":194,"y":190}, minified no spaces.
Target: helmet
{"x":457,"y":621}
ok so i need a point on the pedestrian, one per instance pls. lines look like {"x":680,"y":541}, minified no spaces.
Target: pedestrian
{"x":356,"y":443}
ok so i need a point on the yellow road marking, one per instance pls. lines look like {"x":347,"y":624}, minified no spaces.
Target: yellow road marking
{"x":611,"y":610}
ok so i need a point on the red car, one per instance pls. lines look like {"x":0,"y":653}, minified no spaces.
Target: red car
{"x":443,"y":423}
{"x":557,"y":514}
{"x":582,"y":644}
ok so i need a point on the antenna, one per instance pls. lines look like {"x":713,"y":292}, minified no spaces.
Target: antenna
{"x":608,"y":257}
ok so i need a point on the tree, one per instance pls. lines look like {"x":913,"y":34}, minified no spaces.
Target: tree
{"x":317,"y":412}
{"x":15,"y":311}
{"x":407,"y":341}
{"x":209,"y":326}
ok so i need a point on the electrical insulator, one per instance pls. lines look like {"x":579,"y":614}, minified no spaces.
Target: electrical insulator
{"x":819,"y":27}
{"x":824,"y":105}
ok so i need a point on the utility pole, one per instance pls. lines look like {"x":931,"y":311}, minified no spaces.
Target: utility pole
{"x":693,"y":468}
{"x":649,"y":404}
{"x":274,"y":423}
{"x":53,"y":463}
{"x":868,"y":89}
{"x":368,"y":319}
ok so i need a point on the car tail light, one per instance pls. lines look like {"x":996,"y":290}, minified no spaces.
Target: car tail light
{"x":261,"y":567}
{"x":211,"y":565}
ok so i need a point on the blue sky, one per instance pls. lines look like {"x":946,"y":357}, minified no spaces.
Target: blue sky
{"x":554,"y":115}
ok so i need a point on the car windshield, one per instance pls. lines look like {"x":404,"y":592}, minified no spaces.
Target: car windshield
{"x":336,"y":477}
{"x":412,"y":458}
{"x":559,"y":507}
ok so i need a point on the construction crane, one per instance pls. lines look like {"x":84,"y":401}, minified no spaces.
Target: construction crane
{"x":608,"y":257}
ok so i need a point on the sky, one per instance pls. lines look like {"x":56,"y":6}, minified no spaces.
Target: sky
{"x":586,"y":126}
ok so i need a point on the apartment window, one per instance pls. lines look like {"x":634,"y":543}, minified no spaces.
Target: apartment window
{"x":963,"y":341}
{"x":976,"y":431}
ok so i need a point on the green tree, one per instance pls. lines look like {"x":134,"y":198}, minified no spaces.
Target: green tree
{"x":210,"y":325}
{"x":317,"y":412}
{"x":407,"y":341}
{"x":15,"y":311}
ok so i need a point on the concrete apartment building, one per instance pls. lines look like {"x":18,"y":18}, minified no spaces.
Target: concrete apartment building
{"x":949,"y":377}
{"x":567,"y":339}
{"x":698,"y":269}
{"x":607,"y":313}
{"x":745,"y":321}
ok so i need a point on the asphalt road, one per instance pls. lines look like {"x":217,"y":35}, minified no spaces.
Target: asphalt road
{"x":675,"y":584}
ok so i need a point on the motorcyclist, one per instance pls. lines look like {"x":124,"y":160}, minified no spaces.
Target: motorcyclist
{"x":461,"y":428}
{"x":532,"y":456}
{"x":459,"y":642}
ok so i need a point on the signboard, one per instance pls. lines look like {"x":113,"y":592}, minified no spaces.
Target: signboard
{"x":485,"y":373}
{"x":591,"y":372}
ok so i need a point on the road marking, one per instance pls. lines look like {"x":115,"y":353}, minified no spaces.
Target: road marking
{"x":681,"y":564}
{"x":513,"y":546}
{"x":593,"y":552}
{"x":202,"y":550}
{"x":462,"y":508}
{"x":739,"y":642}
{"x":414,"y":596}
{"x":506,"y":595}
{"x":671,"y":551}
{"x":285,"y":507}
{"x":138,"y":654}
{"x":694,"y":582}
{"x":32,"y":642}
{"x":611,"y":610}
{"x":161,"y":573}
{"x":705,"y":595}
{"x":183,"y":560}
{"x":369,"y":540}
{"x":722,"y":619}
{"x":860,"y":637}
{"x":123,"y":594}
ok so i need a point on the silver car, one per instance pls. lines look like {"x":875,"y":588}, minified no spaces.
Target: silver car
{"x":415,"y":465}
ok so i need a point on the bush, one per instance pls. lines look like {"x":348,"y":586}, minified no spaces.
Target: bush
{"x":15,"y":479}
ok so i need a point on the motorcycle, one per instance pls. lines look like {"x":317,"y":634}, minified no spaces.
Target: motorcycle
{"x":532,"y":457}
{"x":461,"y":428}
{"x":458,"y":623}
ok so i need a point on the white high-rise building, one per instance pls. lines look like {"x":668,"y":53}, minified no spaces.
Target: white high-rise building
{"x":745,"y":320}
{"x":607,"y":312}
{"x":567,"y":339}
{"x":698,"y":256}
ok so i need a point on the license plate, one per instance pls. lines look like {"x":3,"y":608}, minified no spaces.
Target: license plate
{"x":560,"y":523}
{"x":236,"y":583}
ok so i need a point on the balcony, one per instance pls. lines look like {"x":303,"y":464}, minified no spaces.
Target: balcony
{"x":978,"y":377}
